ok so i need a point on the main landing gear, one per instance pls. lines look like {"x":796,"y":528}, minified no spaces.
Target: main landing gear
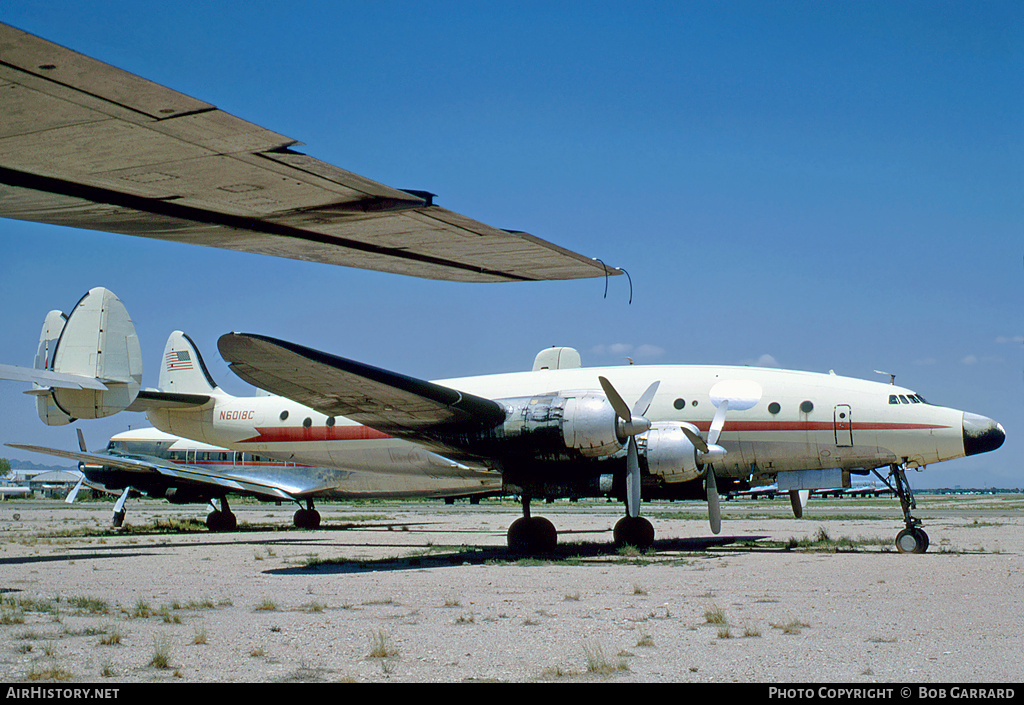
{"x":307,"y":518}
{"x":633,"y":531}
{"x":913,"y":538}
{"x":530,"y":535}
{"x":222,"y":519}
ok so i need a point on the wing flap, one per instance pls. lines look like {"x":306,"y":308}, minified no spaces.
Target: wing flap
{"x":389,"y":402}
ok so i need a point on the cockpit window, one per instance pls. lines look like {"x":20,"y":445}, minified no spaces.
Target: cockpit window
{"x":906,"y":399}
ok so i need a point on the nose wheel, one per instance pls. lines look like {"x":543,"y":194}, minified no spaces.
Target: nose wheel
{"x":913,"y":538}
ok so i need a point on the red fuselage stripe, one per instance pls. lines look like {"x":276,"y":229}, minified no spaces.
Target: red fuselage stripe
{"x":298,"y":434}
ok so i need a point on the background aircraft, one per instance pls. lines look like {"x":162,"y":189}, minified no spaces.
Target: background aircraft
{"x":560,"y":430}
{"x":160,"y":465}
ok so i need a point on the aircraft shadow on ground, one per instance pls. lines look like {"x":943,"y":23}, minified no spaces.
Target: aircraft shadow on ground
{"x":568,"y":552}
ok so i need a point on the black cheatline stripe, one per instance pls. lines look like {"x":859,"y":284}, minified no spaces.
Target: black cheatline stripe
{"x":47,"y":184}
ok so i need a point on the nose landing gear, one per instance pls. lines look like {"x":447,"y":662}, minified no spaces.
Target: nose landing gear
{"x":913,"y":538}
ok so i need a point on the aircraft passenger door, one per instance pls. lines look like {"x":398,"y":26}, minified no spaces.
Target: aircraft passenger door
{"x":843,"y":426}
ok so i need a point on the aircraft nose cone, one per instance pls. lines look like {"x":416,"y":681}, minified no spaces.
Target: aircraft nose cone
{"x":981,"y":434}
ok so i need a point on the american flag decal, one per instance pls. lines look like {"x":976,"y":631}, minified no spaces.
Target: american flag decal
{"x":178,"y":360}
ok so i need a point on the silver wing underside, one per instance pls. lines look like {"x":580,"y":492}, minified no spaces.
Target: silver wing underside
{"x":87,"y":145}
{"x":172,"y":471}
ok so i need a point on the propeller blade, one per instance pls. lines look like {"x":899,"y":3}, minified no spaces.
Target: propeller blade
{"x":620,"y":407}
{"x":644,"y":402}
{"x":798,"y":500}
{"x":632,"y":479}
{"x":73,"y":494}
{"x":714,"y":510}
{"x":696,"y":440}
{"x":718,"y":422}
{"x":81,"y":441}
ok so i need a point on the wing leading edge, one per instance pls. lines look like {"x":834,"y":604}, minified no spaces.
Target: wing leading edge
{"x":87,"y":145}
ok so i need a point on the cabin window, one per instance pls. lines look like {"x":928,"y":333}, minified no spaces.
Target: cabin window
{"x":774,"y":408}
{"x":284,"y":414}
{"x":307,"y":422}
{"x":679,"y":404}
{"x":806,"y":407}
{"x":330,"y":421}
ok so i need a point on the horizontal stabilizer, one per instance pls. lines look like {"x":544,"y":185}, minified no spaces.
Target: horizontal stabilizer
{"x":150,"y":400}
{"x":48,"y":378}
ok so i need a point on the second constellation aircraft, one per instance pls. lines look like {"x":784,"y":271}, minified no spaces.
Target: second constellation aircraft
{"x":560,"y":430}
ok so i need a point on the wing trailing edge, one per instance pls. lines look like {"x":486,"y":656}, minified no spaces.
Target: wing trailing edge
{"x":86,"y":145}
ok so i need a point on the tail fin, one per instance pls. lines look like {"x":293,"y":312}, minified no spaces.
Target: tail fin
{"x":49,"y":412}
{"x":182,"y":368}
{"x":96,"y":341}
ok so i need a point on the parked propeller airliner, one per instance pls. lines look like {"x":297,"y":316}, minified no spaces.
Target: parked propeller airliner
{"x":157,"y":464}
{"x":560,"y":430}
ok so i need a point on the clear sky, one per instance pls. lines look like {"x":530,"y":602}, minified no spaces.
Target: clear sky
{"x":809,"y":185}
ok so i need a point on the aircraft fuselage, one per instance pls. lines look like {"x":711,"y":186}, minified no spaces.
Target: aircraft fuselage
{"x":779,"y":421}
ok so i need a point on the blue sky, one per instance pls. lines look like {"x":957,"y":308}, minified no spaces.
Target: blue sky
{"x":813,"y":185}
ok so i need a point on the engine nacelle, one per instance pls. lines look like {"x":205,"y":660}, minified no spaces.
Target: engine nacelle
{"x":670,"y":454}
{"x":580,"y":421}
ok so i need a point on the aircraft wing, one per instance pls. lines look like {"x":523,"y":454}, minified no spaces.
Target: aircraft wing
{"x":392,"y":403}
{"x":173,"y":471}
{"x":87,"y":145}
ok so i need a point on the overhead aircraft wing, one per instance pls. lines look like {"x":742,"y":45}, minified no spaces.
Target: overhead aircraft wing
{"x":392,"y":403}
{"x":87,"y":145}
{"x":178,"y":473}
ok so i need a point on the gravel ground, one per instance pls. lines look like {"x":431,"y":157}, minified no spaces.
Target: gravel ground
{"x":407,"y":592}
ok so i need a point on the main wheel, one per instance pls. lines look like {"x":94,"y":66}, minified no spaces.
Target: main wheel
{"x":533,"y":535}
{"x":634,"y":531}
{"x":221,"y":521}
{"x":306,"y":519}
